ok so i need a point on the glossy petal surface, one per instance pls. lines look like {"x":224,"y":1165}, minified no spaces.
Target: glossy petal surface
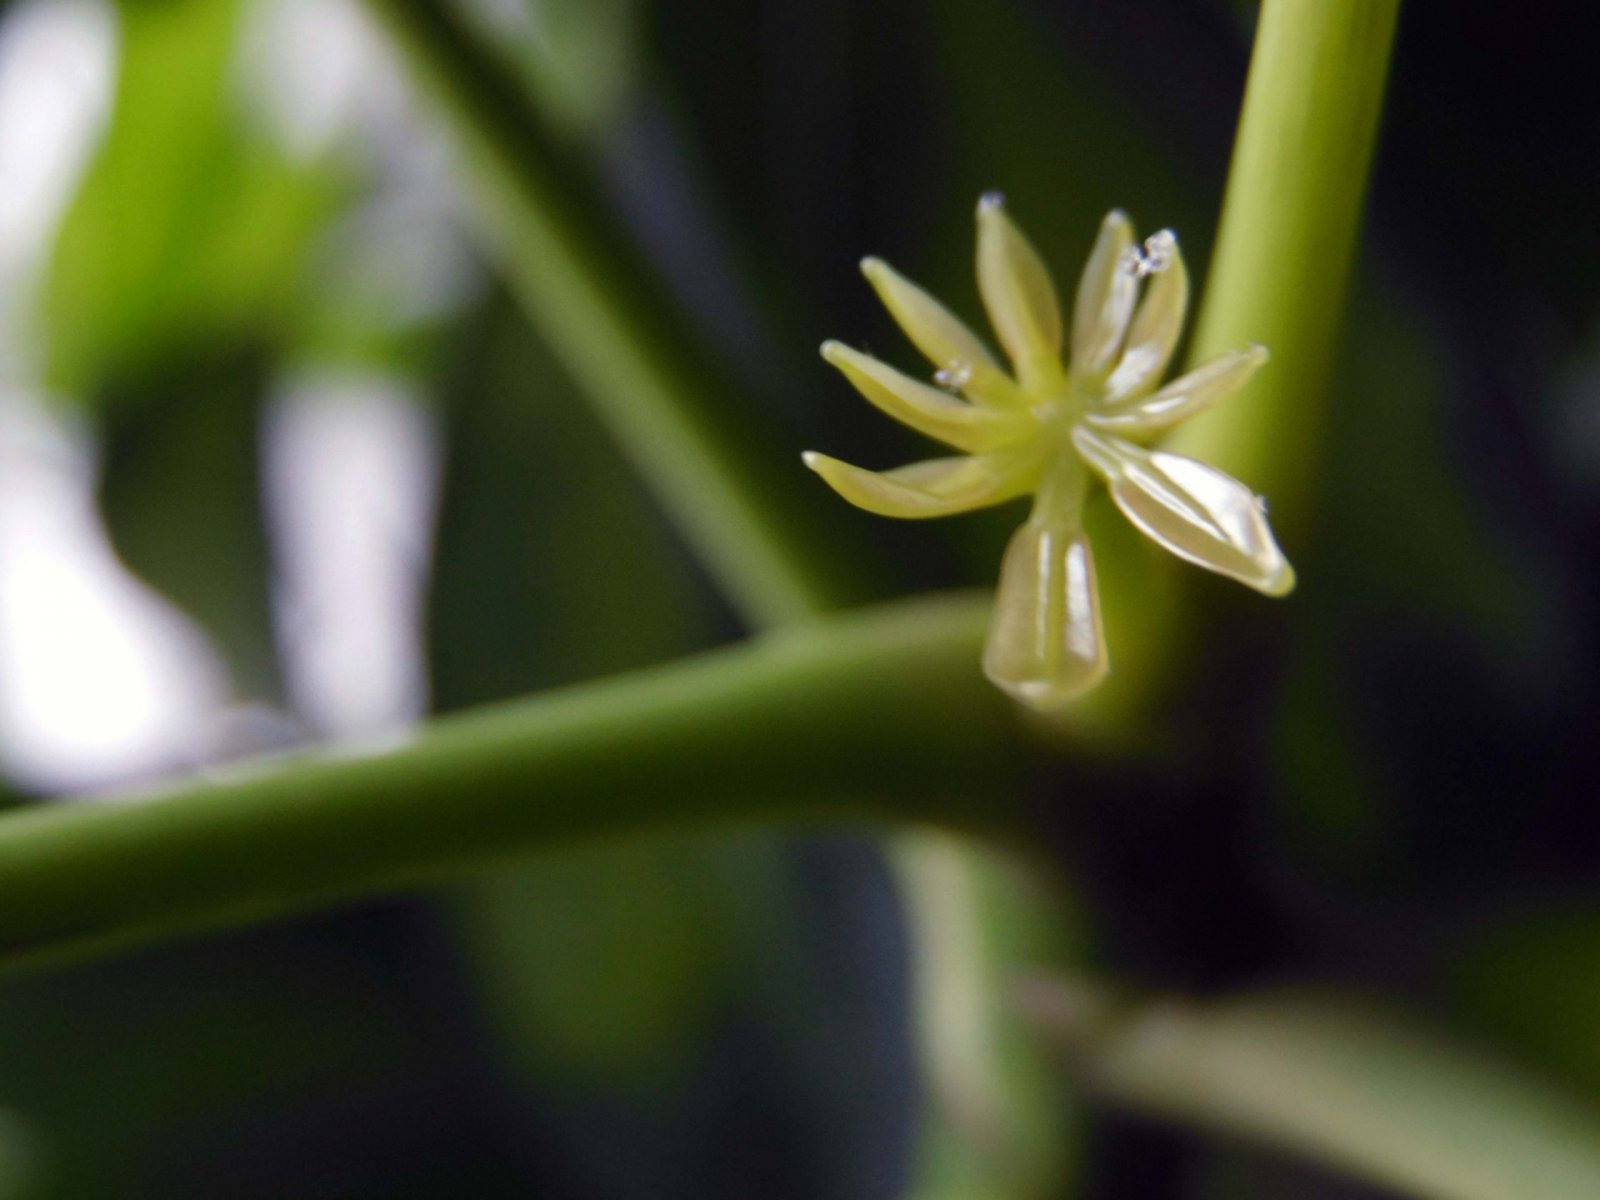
{"x":1104,"y":305}
{"x":1198,"y":513}
{"x":1046,"y":646}
{"x":937,"y":487}
{"x":1018,"y":296}
{"x":924,"y":408}
{"x":1143,"y":416}
{"x":1157,"y":324}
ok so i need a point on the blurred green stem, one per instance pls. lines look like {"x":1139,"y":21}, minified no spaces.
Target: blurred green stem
{"x":1361,"y":1087}
{"x":1289,"y":230}
{"x":879,"y":716}
{"x":739,"y":497}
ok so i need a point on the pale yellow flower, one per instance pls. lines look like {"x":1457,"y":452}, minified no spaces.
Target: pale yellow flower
{"x":1050,"y":427}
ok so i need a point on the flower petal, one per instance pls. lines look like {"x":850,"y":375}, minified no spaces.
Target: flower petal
{"x":935,"y":488}
{"x":1141,"y":416}
{"x":948,"y":344}
{"x":1019,"y":296}
{"x":1106,"y":293}
{"x":1196,"y":512}
{"x":1046,"y":646}
{"x":925,"y":409}
{"x":1157,"y":322}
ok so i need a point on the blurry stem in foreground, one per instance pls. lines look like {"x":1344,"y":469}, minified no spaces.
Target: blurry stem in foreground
{"x":1290,"y":220}
{"x":1338,"y":1079}
{"x":880,"y":716}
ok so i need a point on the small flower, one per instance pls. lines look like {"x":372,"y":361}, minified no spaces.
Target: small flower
{"x":1049,"y":428}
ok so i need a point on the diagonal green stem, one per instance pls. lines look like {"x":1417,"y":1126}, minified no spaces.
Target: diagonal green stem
{"x":879,"y":716}
{"x":1290,"y":222}
{"x":737,"y":494}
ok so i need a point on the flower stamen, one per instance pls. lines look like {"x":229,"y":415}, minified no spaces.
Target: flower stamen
{"x":1153,"y":256}
{"x":953,"y":376}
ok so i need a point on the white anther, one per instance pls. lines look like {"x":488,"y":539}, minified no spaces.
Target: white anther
{"x":955,"y":376}
{"x":1152,"y":258}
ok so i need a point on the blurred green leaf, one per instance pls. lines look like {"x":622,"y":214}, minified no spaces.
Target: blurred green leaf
{"x":1353,"y":1083}
{"x":188,"y":225}
{"x":1000,"y":1121}
{"x":604,"y":967}
{"x":1532,"y":980}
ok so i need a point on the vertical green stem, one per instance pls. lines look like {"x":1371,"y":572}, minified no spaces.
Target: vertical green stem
{"x":1289,"y":231}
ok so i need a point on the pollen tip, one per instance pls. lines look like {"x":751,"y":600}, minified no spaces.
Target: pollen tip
{"x":872,"y":265}
{"x":1259,"y":352}
{"x":812,"y":459}
{"x":831,"y":350}
{"x":991,"y":201}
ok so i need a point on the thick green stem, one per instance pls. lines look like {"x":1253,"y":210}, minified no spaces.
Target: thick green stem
{"x":877,"y":716}
{"x":1289,"y":230}
{"x":738,"y":495}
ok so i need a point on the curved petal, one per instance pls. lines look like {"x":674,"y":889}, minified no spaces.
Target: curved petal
{"x":941,"y":336}
{"x":925,"y":409}
{"x":1142,"y":416}
{"x":937,"y":487}
{"x":1198,"y":513}
{"x":1104,"y":304}
{"x":1018,"y":295}
{"x":1157,"y":322}
{"x":1046,"y":646}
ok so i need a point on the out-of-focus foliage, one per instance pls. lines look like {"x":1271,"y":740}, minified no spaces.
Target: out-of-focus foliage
{"x":190,"y":228}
